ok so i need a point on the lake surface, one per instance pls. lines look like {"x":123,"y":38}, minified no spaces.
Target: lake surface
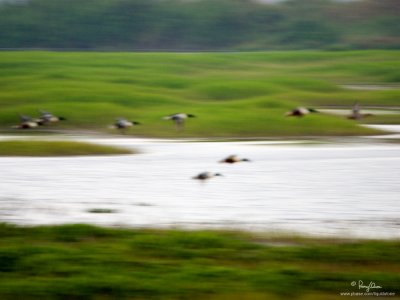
{"x":347,"y":188}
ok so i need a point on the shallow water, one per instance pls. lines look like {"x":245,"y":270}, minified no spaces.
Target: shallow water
{"x":370,"y":87}
{"x":347,"y":111}
{"x":347,"y":189}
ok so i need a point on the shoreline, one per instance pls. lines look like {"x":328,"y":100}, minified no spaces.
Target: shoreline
{"x":269,"y":235}
{"x":386,"y":129}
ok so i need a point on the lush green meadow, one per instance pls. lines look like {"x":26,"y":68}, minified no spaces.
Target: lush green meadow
{"x":56,"y":148}
{"x":86,"y":262}
{"x":233,"y":94}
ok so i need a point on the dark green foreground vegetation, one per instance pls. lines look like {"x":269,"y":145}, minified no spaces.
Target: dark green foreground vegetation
{"x":85,"y":262}
{"x":56,"y":148}
{"x":233,"y":94}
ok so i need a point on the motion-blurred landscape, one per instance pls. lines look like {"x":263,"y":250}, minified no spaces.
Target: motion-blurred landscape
{"x":199,"y":149}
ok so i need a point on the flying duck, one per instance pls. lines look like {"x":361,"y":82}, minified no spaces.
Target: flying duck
{"x":47,"y":117}
{"x":356,"y":113}
{"x":123,"y":124}
{"x":179,"y":119}
{"x":206,"y":175}
{"x":26,"y":123}
{"x":231,"y":159}
{"x":300,"y":112}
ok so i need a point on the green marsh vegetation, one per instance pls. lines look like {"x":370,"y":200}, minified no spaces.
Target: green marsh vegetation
{"x":87,"y":262}
{"x":56,"y":148}
{"x":233,"y":94}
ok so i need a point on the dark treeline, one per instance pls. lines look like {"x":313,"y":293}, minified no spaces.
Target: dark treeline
{"x":199,"y":24}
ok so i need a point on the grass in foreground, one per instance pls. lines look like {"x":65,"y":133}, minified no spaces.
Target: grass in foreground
{"x":56,"y":148}
{"x":233,"y":94}
{"x":86,"y":262}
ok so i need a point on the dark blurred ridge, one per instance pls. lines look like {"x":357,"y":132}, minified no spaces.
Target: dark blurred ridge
{"x":193,"y":25}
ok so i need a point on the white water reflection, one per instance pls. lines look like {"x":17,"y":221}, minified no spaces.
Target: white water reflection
{"x":347,"y":189}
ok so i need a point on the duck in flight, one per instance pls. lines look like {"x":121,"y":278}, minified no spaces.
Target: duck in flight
{"x":26,"y":123}
{"x":231,"y":159}
{"x":47,"y":118}
{"x":179,"y":119}
{"x":123,"y":124}
{"x":206,"y":175}
{"x":300,"y":112}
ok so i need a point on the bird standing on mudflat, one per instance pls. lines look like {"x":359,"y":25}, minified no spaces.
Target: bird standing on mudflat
{"x":356,"y":113}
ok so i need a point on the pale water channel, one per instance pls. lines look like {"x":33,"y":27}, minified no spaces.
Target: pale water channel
{"x":348,"y":188}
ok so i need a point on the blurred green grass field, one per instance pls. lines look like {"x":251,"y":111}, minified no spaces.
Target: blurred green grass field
{"x":86,"y":262}
{"x":233,"y":94}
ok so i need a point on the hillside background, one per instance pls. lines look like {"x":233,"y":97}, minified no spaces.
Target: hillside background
{"x":183,"y":25}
